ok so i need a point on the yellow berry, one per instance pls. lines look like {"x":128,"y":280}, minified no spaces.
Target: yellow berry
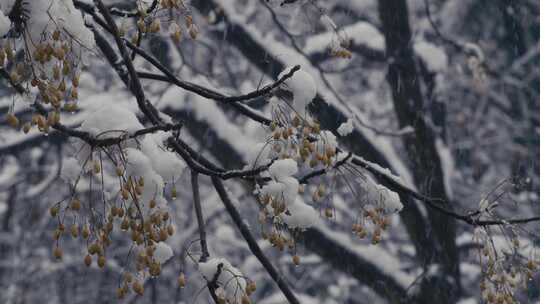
{"x":54,"y":211}
{"x":26,"y":127}
{"x":75,"y":204}
{"x":296,"y":260}
{"x":101,"y":261}
{"x":182,"y":280}
{"x":88,"y":260}
{"x":138,"y":288}
{"x":12,"y":120}
{"x":125,"y":194}
{"x":96,"y":167}
{"x":57,"y":252}
{"x":85,"y":232}
{"x":174,"y":194}
{"x":128,"y":277}
{"x":251,"y":287}
{"x":74,"y":231}
{"x":170,"y":230}
{"x":119,"y":171}
{"x":120,"y":293}
{"x":163,"y":235}
{"x":328,"y":212}
{"x":75,"y":80}
{"x":155,"y":26}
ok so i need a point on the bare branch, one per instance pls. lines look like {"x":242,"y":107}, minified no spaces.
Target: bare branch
{"x":199,"y":214}
{"x":205,"y":92}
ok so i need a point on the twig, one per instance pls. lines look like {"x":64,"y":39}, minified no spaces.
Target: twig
{"x":95,"y":141}
{"x":135,"y":84}
{"x":252,"y":243}
{"x":436,"y":204}
{"x":307,"y":177}
{"x":204,"y":92}
{"x":199,"y":214}
{"x":241,"y":108}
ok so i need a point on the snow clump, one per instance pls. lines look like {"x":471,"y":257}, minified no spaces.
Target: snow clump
{"x":230,"y":280}
{"x":303,"y":87}
{"x":346,"y":128}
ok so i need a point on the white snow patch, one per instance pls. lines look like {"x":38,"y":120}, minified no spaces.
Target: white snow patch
{"x":303,"y":87}
{"x":6,"y":6}
{"x":9,"y":170}
{"x":447,"y":163}
{"x":110,"y":121}
{"x":346,"y":128}
{"x":163,"y":252}
{"x":361,"y":33}
{"x":70,"y":169}
{"x":380,"y":196}
{"x":382,"y":170}
{"x":285,"y":190}
{"x":47,"y":16}
{"x":377,"y":256}
{"x":258,"y":154}
{"x":434,"y":57}
{"x":167,"y":164}
{"x":283,"y":168}
{"x":301,"y":215}
{"x":327,"y":140}
{"x":5,"y":24}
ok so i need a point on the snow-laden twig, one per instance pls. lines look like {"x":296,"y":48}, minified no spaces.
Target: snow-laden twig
{"x":252,"y":242}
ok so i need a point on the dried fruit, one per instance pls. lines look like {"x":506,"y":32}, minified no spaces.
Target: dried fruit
{"x":101,"y":261}
{"x":54,"y":211}
{"x":182,"y":280}
{"x":88,"y":260}
{"x":57,"y":253}
{"x":12,"y":120}
{"x":296,"y":260}
{"x":138,"y":288}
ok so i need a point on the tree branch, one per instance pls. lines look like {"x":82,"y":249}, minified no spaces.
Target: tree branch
{"x":205,"y":92}
{"x":437,"y":204}
{"x":252,"y":243}
{"x":134,"y":84}
{"x":199,"y":214}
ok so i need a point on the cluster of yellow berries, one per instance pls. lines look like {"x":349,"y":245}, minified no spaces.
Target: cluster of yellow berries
{"x":277,"y":237}
{"x":51,"y":67}
{"x":371,"y":222}
{"x":277,"y":204}
{"x":169,"y":12}
{"x":40,"y":121}
{"x":145,"y":229}
{"x":298,"y":140}
{"x":504,"y":272}
{"x":54,"y":69}
{"x":245,"y":299}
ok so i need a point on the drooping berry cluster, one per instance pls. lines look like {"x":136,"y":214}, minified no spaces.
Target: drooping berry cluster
{"x":505,"y":270}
